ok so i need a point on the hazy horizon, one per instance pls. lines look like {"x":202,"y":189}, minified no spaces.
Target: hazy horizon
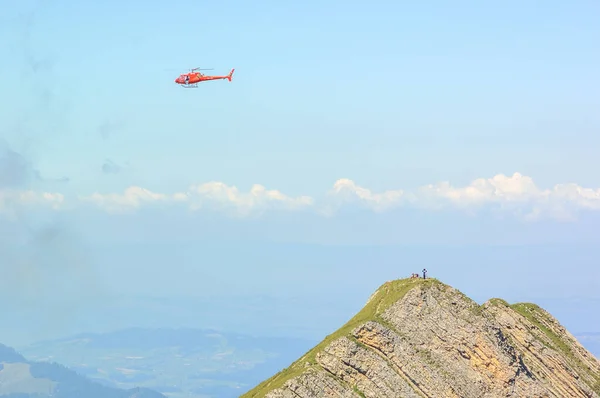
{"x":247,"y":287}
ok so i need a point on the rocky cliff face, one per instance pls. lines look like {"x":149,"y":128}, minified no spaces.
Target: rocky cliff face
{"x":421,"y":338}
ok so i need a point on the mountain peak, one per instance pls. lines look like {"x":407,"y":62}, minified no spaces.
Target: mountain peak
{"x":422,"y":338}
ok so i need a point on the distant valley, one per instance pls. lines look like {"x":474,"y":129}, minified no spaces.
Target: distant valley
{"x":23,"y":378}
{"x":179,"y":363}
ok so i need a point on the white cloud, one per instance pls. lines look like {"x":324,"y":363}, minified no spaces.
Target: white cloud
{"x":11,"y":200}
{"x":131,"y":199}
{"x":516,"y":195}
{"x":346,"y":191}
{"x":219,"y":196}
{"x":210,"y":196}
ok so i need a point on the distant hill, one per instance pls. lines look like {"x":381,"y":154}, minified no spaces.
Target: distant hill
{"x":184,"y":363}
{"x":421,"y":338}
{"x":20,"y":378}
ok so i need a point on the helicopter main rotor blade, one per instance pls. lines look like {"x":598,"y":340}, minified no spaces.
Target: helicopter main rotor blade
{"x":179,"y":69}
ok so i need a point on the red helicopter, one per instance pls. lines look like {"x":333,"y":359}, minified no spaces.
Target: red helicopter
{"x":191,"y":79}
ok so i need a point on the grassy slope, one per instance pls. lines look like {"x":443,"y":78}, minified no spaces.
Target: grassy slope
{"x":538,"y":317}
{"x":382,"y":299}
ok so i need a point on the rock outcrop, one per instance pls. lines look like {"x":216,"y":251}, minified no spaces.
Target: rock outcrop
{"x":421,"y":338}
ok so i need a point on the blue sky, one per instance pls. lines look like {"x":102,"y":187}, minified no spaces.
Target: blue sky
{"x":366,"y":126}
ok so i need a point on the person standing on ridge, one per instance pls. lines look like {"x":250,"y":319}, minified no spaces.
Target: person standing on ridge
{"x":424,"y":273}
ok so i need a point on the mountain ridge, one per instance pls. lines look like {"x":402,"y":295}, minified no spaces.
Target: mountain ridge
{"x":423,"y":338}
{"x":181,"y":362}
{"x":22,"y":378}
